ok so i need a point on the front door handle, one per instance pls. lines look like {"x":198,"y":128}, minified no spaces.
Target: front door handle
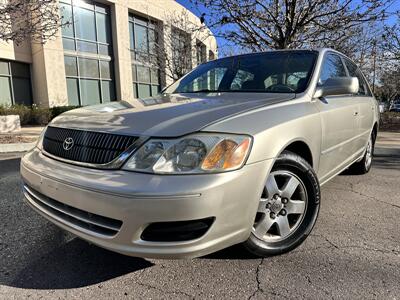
{"x":356,"y":113}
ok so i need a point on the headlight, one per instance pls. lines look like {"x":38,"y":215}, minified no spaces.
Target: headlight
{"x":198,"y":153}
{"x":39,"y":143}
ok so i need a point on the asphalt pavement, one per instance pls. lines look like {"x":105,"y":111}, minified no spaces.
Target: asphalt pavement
{"x":352,"y":253}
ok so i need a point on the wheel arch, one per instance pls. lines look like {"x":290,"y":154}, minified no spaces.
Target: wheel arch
{"x":375,"y":131}
{"x":301,"y":148}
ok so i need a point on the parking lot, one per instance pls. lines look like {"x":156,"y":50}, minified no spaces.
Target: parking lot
{"x":353,"y":252}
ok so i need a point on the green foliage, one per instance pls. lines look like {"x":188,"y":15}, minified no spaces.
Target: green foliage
{"x":24,"y":112}
{"x":57,"y":110}
{"x":33,"y":115}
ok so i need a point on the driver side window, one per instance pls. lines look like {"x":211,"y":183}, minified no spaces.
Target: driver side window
{"x":331,"y":67}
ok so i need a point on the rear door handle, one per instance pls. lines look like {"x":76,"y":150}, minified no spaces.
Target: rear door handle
{"x":356,"y":113}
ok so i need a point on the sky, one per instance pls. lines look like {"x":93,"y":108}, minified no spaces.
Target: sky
{"x":198,"y":10}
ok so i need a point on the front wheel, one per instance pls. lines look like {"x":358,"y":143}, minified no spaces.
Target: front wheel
{"x":288,"y":207}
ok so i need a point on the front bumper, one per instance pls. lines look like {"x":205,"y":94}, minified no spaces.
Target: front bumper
{"x":138,"y":200}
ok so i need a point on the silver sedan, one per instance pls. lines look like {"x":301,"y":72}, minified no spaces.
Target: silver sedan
{"x":234,"y":152}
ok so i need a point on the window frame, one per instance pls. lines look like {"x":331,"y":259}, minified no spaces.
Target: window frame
{"x":368,"y":90}
{"x":96,"y":8}
{"x":326,"y":54}
{"x":149,"y":24}
{"x":201,"y":52}
{"x":185,"y":39}
{"x":76,"y":39}
{"x":100,"y":79}
{"x":11,"y":78}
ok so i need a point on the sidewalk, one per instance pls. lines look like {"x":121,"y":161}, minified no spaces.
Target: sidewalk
{"x":21,"y":141}
{"x":388,"y":139}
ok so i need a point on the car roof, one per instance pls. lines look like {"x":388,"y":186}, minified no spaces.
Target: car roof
{"x":320,"y":51}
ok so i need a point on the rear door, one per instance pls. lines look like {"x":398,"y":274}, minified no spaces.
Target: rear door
{"x":338,"y":121}
{"x":366,"y":107}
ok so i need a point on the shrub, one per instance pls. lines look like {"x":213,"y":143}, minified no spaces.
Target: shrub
{"x":57,"y":110}
{"x":390,"y":121}
{"x":40,"y":116}
{"x":33,"y":115}
{"x":24,"y":112}
{"x":390,"y":117}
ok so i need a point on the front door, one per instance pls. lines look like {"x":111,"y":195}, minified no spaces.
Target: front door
{"x":337,"y":121}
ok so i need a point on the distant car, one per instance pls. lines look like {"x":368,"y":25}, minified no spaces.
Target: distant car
{"x":234,"y":152}
{"x":395,"y":107}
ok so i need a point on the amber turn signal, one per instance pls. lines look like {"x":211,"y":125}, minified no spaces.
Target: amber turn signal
{"x":227,"y":155}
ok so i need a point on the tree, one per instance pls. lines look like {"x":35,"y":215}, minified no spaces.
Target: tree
{"x":173,"y":45}
{"x":280,"y":24}
{"x":391,"y":39}
{"x":34,"y":20}
{"x":389,"y":89}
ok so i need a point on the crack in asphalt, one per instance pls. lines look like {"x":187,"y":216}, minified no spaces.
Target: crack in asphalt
{"x":258,"y":280}
{"x":259,"y":288}
{"x":327,"y":240}
{"x":160,"y":289}
{"x":393,"y":251}
{"x":351,"y":190}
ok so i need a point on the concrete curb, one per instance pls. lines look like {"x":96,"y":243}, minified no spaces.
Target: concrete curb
{"x":21,"y":147}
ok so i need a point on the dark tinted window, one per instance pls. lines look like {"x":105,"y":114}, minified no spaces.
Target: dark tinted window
{"x":15,"y":83}
{"x":271,"y":72}
{"x":355,"y":72}
{"x":332,"y":67}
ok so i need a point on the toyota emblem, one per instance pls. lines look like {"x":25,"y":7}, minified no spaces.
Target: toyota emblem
{"x":68,"y":143}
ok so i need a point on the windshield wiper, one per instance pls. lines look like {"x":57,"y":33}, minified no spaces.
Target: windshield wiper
{"x":202,"y":91}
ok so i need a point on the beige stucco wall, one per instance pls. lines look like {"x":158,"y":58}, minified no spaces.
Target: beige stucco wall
{"x":10,"y":51}
{"x":48,"y":71}
{"x":48,"y":74}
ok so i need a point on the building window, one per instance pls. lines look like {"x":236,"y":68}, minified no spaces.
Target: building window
{"x":143,"y":39}
{"x":15,"y":83}
{"x":201,"y":52}
{"x":181,"y":52}
{"x":88,"y":52}
{"x":211,"y":55}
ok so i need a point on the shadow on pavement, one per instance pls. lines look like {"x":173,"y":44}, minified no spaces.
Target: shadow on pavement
{"x":73,"y":265}
{"x":35,"y":254}
{"x":233,"y":252}
{"x":385,"y":158}
{"x":9,"y":166}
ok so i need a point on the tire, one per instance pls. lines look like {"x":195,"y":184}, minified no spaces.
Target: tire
{"x":295,"y":196}
{"x":363,"y":166}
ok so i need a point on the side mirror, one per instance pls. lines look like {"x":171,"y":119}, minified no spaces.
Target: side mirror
{"x":337,"y":86}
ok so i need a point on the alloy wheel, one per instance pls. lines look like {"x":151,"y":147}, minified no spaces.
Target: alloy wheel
{"x":368,"y":154}
{"x":281,"y":208}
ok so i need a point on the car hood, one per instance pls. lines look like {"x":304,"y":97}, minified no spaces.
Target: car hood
{"x":165,"y":115}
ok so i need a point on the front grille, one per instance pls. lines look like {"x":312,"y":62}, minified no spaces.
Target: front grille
{"x":88,"y":147}
{"x":89,"y":221}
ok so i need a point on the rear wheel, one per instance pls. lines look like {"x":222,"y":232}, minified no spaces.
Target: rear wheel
{"x":363,"y":166}
{"x":288,"y":207}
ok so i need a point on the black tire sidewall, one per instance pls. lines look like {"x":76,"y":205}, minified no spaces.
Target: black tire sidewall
{"x":359,"y":168}
{"x":291,"y":162}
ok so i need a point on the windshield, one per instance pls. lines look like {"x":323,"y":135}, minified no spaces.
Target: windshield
{"x":270,"y":72}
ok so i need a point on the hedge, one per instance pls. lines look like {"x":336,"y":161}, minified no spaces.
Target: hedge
{"x":33,"y":115}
